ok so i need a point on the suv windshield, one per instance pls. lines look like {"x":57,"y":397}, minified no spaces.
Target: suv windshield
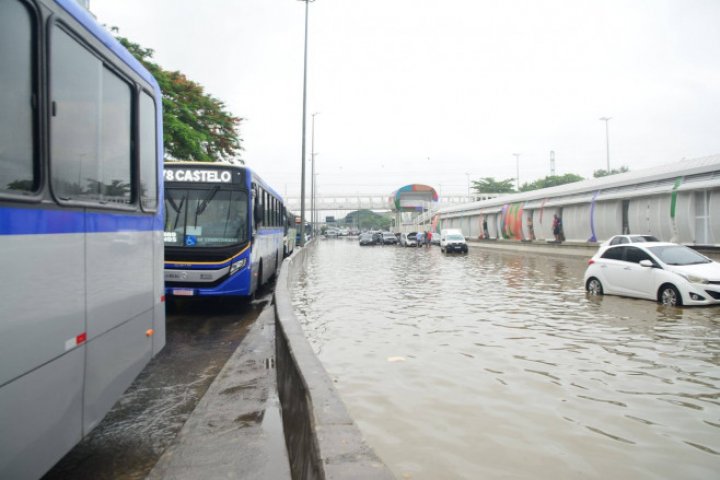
{"x":678,"y":255}
{"x":208,"y":217}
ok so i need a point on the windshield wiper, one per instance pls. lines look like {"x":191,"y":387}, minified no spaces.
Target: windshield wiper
{"x":203,"y":205}
{"x":177,"y":208}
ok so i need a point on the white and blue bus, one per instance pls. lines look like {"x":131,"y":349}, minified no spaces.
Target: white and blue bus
{"x":290,"y":238}
{"x":224,"y":230}
{"x":81,"y":246}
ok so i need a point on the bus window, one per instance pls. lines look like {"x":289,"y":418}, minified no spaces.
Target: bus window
{"x":91,"y":119}
{"x":148,"y":153}
{"x":266,"y":209}
{"x":256,"y":206}
{"x":17,"y":152}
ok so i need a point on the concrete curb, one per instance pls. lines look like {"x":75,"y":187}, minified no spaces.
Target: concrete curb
{"x":322,"y":440}
{"x":235,"y":430}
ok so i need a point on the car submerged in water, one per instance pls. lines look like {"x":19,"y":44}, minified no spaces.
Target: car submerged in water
{"x":625,"y":239}
{"x":367,"y":238}
{"x":389,"y":238}
{"x":408,"y":239}
{"x":628,"y":238}
{"x":668,"y":273}
{"x":452,"y":240}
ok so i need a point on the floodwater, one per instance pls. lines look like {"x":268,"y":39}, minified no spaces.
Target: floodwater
{"x":201,"y":336}
{"x":497,"y":365}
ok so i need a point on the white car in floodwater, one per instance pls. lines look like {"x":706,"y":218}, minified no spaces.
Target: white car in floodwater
{"x":666,"y":272}
{"x":452,"y":240}
{"x":408,"y":239}
{"x":624,"y":239}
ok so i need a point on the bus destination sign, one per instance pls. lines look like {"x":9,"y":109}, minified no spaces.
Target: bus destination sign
{"x":197,"y":175}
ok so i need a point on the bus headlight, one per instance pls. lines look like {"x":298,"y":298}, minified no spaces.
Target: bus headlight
{"x":237,"y":265}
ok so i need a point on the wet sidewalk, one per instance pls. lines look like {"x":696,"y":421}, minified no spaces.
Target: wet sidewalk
{"x":570,"y":249}
{"x":236,"y":429}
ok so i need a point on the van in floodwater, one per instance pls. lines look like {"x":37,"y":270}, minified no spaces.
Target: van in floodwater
{"x":452,"y":240}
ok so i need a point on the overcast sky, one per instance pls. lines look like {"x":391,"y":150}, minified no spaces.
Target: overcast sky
{"x":416,"y":91}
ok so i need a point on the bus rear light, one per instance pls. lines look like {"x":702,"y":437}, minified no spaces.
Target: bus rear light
{"x":74,"y":342}
{"x":162,"y":299}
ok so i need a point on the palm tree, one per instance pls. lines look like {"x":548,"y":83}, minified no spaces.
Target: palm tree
{"x":490,"y":185}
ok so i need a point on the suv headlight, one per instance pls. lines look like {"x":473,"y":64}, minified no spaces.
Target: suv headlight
{"x":237,"y":265}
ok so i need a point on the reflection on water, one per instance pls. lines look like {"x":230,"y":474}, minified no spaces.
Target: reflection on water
{"x":497,"y":365}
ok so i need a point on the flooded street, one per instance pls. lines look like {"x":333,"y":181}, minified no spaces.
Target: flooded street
{"x":201,"y":336}
{"x":497,"y":365}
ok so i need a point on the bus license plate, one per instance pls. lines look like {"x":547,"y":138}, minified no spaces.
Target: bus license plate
{"x":183,"y":292}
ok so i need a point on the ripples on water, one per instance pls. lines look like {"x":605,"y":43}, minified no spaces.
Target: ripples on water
{"x":497,"y":365}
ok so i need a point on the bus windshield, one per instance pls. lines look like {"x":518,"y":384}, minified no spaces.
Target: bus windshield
{"x":208,"y":217}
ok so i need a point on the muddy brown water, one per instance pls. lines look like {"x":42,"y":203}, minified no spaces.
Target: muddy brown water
{"x":498,"y":365}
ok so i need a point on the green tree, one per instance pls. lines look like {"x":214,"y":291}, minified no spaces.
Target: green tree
{"x":367,"y":219}
{"x":490,"y":185}
{"x":551,"y":181}
{"x":613,"y":171}
{"x":196,"y":126}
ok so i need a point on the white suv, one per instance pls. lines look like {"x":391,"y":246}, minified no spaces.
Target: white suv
{"x":452,"y":240}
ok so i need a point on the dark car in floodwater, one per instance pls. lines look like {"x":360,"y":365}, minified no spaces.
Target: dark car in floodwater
{"x":389,"y":238}
{"x":366,"y":239}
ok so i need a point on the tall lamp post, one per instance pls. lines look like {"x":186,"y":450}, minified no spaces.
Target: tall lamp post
{"x":302,"y":176}
{"x":517,"y":171}
{"x":607,"y":141}
{"x":313,"y":212}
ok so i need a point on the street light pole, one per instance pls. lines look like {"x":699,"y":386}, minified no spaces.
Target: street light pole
{"x":304,"y":116}
{"x":313,"y":213}
{"x":517,"y":171}
{"x":317,"y":212}
{"x":607,"y":141}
